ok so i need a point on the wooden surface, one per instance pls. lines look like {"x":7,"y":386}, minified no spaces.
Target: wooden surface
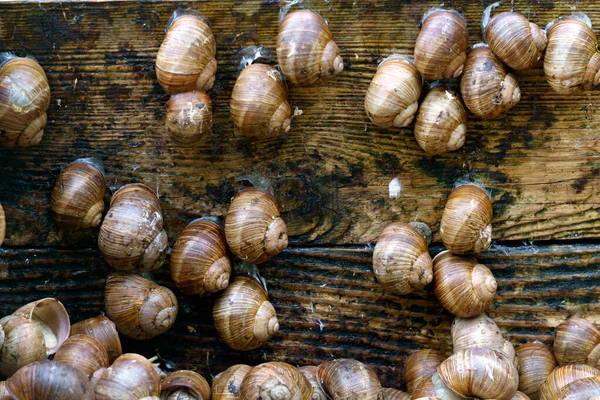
{"x":331,"y":174}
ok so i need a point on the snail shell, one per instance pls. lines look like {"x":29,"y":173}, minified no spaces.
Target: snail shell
{"x":2,"y":225}
{"x":132,"y":235}
{"x":104,"y":331}
{"x":394,"y":394}
{"x":536,"y":363}
{"x":275,"y":381}
{"x":130,"y":377}
{"x":84,"y":353}
{"x":243,"y":315}
{"x":24,"y":99}
{"x":184,"y":385}
{"x":23,"y":344}
{"x":259,"y":106}
{"x":393,"y":95}
{"x":577,"y":341}
{"x":310,"y":373}
{"x":480,"y":331}
{"x":480,"y":372}
{"x":401,"y":260}
{"x":441,"y":124}
{"x":189,"y":117}
{"x":253,"y":228}
{"x":46,"y":380}
{"x":487,"y":88}
{"x":562,"y":376}
{"x":572,"y":61}
{"x":78,"y":195}
{"x":520,"y":396}
{"x":440,"y":49}
{"x":519,"y":43}
{"x":582,"y":389}
{"x":186,"y":58}
{"x":306,"y":52}
{"x":227,"y":384}
{"x":462,"y":285}
{"x":420,"y":366}
{"x":433,"y":388}
{"x":466,"y":225}
{"x":4,"y":395}
{"x":199,"y":262}
{"x":52,"y":320}
{"x":140,"y":308}
{"x":349,"y":379}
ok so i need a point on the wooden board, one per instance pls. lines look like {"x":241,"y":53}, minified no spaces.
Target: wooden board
{"x":541,"y":161}
{"x":328,"y":303}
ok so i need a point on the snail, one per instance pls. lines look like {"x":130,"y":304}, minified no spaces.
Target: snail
{"x":440,"y":49}
{"x":132,"y":235}
{"x":199,"y":262}
{"x":394,"y":394}
{"x":44,"y":380}
{"x":78,"y":196}
{"x":572,"y":61}
{"x":51,"y":318}
{"x":433,"y":388}
{"x":462,"y":285}
{"x":520,"y":396}
{"x":420,"y":366}
{"x":253,"y":228}
{"x":24,"y":99}
{"x":487,"y":88}
{"x":227,"y":384}
{"x":189,"y":117}
{"x":480,"y":331}
{"x":562,"y":376}
{"x":393,"y":95}
{"x":4,"y":395}
{"x":84,"y":353}
{"x":346,"y":379}
{"x":130,"y":377}
{"x":536,"y":363}
{"x":23,"y":338}
{"x":259,"y":106}
{"x":274,"y":381}
{"x":186,"y":58}
{"x":310,"y":373}
{"x":466,"y":225}
{"x":184,"y":385}
{"x":517,"y":42}
{"x":480,"y":372}
{"x":104,"y":331}
{"x":140,"y":308}
{"x":2,"y":225}
{"x":401,"y":260}
{"x":582,"y":389}
{"x":577,"y":341}
{"x":243,"y":315}
{"x":441,"y":123}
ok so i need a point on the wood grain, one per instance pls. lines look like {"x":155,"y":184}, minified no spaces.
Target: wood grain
{"x":328,"y":303}
{"x":332,"y":170}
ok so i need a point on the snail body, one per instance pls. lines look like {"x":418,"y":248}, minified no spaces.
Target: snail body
{"x":189,"y":117}
{"x":462,"y":285}
{"x":441,"y":123}
{"x":24,"y":99}
{"x":487,"y":88}
{"x":466,"y":225}
{"x":440,"y":49}
{"x":184,"y":385}
{"x":420,"y":366}
{"x":572,"y":61}
{"x":140,"y":308}
{"x":130,"y":377}
{"x":132,"y":236}
{"x":78,"y":195}
{"x":243,"y":315}
{"x":310,"y":373}
{"x":84,"y":353}
{"x":259,"y":106}
{"x":536,"y":363}
{"x":519,"y":43}
{"x":306,"y":52}
{"x":401,"y":260}
{"x":480,"y":331}
{"x":393,"y":95}
{"x":253,"y":228}
{"x":104,"y":331}
{"x":346,"y":379}
{"x":186,"y":58}
{"x":563,"y":376}
{"x":199,"y":262}
{"x":227,"y":384}
{"x":577,"y":341}
{"x":275,"y":381}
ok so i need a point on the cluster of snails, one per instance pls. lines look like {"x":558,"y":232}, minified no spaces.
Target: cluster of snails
{"x":186,"y":67}
{"x":487,"y":87}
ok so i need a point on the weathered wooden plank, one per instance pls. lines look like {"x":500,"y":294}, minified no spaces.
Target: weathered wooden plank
{"x":328,"y":303}
{"x":541,"y":160}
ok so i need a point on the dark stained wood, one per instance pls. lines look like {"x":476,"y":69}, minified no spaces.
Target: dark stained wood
{"x":542,"y":160}
{"x":329,"y":304}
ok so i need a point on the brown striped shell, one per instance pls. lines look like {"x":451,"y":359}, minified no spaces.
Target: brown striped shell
{"x":23,"y":344}
{"x":536,"y":363}
{"x":84,"y":353}
{"x":130,"y":377}
{"x":104,"y":331}
{"x":582,"y":389}
{"x":562,"y":376}
{"x":310,"y":372}
{"x":349,"y":379}
{"x":577,"y":341}
{"x":420,"y":366}
{"x":51,"y":318}
{"x":394,"y":394}
{"x":189,"y":117}
{"x":184,"y":385}
{"x":480,"y":331}
{"x":227,"y":384}
{"x":4,"y":395}
{"x":275,"y":381}
{"x":2,"y":225}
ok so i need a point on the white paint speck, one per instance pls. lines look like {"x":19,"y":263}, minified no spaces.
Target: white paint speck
{"x":395,"y":188}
